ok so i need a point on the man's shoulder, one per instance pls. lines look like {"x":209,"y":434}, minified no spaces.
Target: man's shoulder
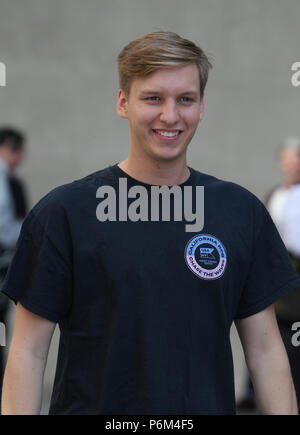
{"x":90,"y":181}
{"x":295,"y":190}
{"x":223,"y":187}
{"x":231,"y":198}
{"x":293,"y":199}
{"x":65,"y":197}
{"x":105,"y":175}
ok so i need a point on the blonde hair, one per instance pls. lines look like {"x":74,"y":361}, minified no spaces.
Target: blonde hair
{"x":157,"y":50}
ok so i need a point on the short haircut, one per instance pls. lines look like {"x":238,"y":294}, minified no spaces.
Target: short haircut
{"x":157,"y":50}
{"x":13,"y":138}
{"x":291,"y":143}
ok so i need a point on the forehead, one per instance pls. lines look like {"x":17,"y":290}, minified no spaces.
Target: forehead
{"x":287,"y":154}
{"x":174,"y":80}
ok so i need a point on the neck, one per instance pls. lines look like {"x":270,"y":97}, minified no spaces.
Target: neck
{"x":156,"y":172}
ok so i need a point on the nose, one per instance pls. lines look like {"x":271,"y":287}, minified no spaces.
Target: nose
{"x":169,"y":112}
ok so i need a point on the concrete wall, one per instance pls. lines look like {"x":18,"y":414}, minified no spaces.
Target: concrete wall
{"x":62,"y":84}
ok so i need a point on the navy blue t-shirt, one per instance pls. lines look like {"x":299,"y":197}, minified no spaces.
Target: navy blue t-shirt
{"x":145,"y":307}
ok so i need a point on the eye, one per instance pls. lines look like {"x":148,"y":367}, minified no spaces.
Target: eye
{"x":186,"y":99}
{"x":153,"y":98}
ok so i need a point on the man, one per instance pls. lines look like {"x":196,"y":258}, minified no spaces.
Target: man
{"x":145,"y":299}
{"x":12,"y":209}
{"x":289,"y":163}
{"x":283,"y":203}
{"x":11,"y":155}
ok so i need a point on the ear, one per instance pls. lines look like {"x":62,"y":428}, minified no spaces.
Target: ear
{"x":201,"y":108}
{"x":122,"y":104}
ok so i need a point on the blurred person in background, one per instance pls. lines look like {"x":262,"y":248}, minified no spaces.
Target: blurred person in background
{"x":283,"y":204}
{"x":13,"y":209}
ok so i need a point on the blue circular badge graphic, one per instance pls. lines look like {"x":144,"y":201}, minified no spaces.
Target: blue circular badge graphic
{"x":206,"y":256}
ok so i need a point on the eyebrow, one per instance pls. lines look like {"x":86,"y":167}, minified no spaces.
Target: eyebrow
{"x":156,"y":92}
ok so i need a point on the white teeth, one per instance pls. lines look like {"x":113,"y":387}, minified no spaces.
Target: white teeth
{"x":168,"y":133}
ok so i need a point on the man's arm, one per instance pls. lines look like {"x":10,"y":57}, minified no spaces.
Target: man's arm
{"x":268,"y":363}
{"x":23,"y":380}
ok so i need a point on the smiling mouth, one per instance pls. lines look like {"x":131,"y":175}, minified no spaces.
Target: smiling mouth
{"x":168,"y":134}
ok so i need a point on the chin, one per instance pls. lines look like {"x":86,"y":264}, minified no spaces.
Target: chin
{"x":167,"y":157}
{"x":170,"y":154}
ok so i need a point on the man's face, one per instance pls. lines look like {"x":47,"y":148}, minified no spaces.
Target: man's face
{"x":163,"y":110}
{"x":290,"y":165}
{"x":16,"y":159}
{"x":12,"y":158}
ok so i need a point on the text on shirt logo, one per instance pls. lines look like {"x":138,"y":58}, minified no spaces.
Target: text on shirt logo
{"x":205,"y":255}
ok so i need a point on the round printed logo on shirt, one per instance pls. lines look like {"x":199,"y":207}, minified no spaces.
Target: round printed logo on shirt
{"x":206,"y":256}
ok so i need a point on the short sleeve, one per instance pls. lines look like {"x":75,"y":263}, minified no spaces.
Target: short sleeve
{"x":271,"y":273}
{"x":40,"y":275}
